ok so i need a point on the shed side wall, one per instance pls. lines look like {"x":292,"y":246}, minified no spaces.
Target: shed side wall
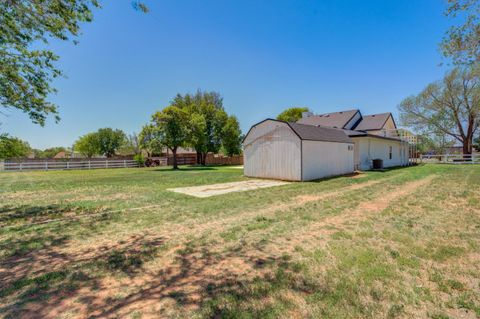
{"x":323,"y":159}
{"x":272,"y":150}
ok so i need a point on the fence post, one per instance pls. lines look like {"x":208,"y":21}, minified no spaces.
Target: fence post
{"x":89,"y":164}
{"x":106,"y":163}
{"x":68,"y":165}
{"x":2,"y":165}
{"x":21,"y":166}
{"x":46,"y":165}
{"x":125,"y":163}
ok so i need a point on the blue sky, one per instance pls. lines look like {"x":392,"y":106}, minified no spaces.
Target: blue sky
{"x":261,"y":56}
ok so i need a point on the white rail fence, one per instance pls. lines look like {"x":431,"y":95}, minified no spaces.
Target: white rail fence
{"x":65,"y":165}
{"x":451,"y":159}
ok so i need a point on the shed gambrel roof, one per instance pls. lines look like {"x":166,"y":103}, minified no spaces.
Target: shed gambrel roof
{"x":311,"y":132}
{"x":373,"y":122}
{"x":335,"y":119}
{"x":320,"y":133}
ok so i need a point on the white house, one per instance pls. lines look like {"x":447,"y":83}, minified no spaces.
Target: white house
{"x":296,"y":152}
{"x":375,"y":136}
{"x":323,"y":145}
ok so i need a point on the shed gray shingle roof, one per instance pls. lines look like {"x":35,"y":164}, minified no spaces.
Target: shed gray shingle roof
{"x":336,"y":119}
{"x":373,"y":122}
{"x":320,"y":133}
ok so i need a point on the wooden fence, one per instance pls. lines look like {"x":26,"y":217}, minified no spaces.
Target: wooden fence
{"x":183,"y":159}
{"x":48,"y":165}
{"x":212,"y":159}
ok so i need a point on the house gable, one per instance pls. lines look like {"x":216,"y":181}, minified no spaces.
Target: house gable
{"x":341,"y":120}
{"x":376,"y":122}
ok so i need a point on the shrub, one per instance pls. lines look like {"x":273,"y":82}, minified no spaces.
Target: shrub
{"x":139,"y":159}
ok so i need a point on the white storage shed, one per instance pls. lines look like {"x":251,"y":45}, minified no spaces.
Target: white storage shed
{"x":296,"y":152}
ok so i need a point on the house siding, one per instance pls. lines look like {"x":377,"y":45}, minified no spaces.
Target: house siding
{"x":368,"y":148}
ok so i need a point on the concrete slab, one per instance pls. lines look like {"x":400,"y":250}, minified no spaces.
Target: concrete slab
{"x":225,"y":188}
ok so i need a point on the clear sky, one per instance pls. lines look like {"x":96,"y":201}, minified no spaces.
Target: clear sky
{"x":261,"y":56}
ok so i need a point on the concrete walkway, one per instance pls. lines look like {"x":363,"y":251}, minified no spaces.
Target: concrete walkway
{"x":224,"y":188}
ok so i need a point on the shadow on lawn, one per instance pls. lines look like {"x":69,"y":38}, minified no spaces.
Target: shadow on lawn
{"x":20,"y":224}
{"x":45,"y":277}
{"x":196,"y":282}
{"x":220,"y":284}
{"x":12,"y":214}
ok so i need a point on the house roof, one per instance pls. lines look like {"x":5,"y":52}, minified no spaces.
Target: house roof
{"x":60,"y":154}
{"x":373,"y":122}
{"x":336,"y":119}
{"x":311,"y":133}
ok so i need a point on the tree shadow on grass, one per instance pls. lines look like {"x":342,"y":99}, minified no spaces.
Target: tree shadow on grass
{"x":11,"y":214}
{"x":211,"y":282}
{"x":46,"y":277}
{"x":220,"y":284}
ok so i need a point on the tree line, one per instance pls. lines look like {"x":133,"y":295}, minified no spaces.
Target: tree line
{"x":198,"y":121}
{"x":195,"y":120}
{"x":448,"y":109}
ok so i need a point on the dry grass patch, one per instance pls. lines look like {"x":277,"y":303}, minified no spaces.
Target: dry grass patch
{"x":387,"y":245}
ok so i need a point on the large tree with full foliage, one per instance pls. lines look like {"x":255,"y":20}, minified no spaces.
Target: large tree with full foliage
{"x":207,"y":117}
{"x":87,"y":145}
{"x":110,"y":140}
{"x":149,"y":140}
{"x":232,"y":137}
{"x":171,"y":127}
{"x":292,"y":114}
{"x":12,"y":147}
{"x":461,"y":43}
{"x":450,"y":106}
{"x":27,"y":64}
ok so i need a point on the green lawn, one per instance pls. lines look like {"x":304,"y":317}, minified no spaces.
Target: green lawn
{"x":115,"y":243}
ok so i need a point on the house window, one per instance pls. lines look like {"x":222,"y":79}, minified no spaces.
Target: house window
{"x":389,"y":152}
{"x":350,"y":147}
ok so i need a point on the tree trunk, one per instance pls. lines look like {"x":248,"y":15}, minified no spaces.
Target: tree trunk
{"x":174,"y":153}
{"x":467,"y":148}
{"x":199,"y":158}
{"x":204,"y":157}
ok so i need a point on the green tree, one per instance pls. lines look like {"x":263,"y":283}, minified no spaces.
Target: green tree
{"x":110,"y":140}
{"x":12,"y":147}
{"x":461,"y":42}
{"x":198,"y":138}
{"x":207,"y":118}
{"x":171,"y":127}
{"x":27,"y":65}
{"x":131,"y":145}
{"x":450,"y":106}
{"x":292,"y":114}
{"x":87,"y":145}
{"x":232,"y":137}
{"x":149,"y":140}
